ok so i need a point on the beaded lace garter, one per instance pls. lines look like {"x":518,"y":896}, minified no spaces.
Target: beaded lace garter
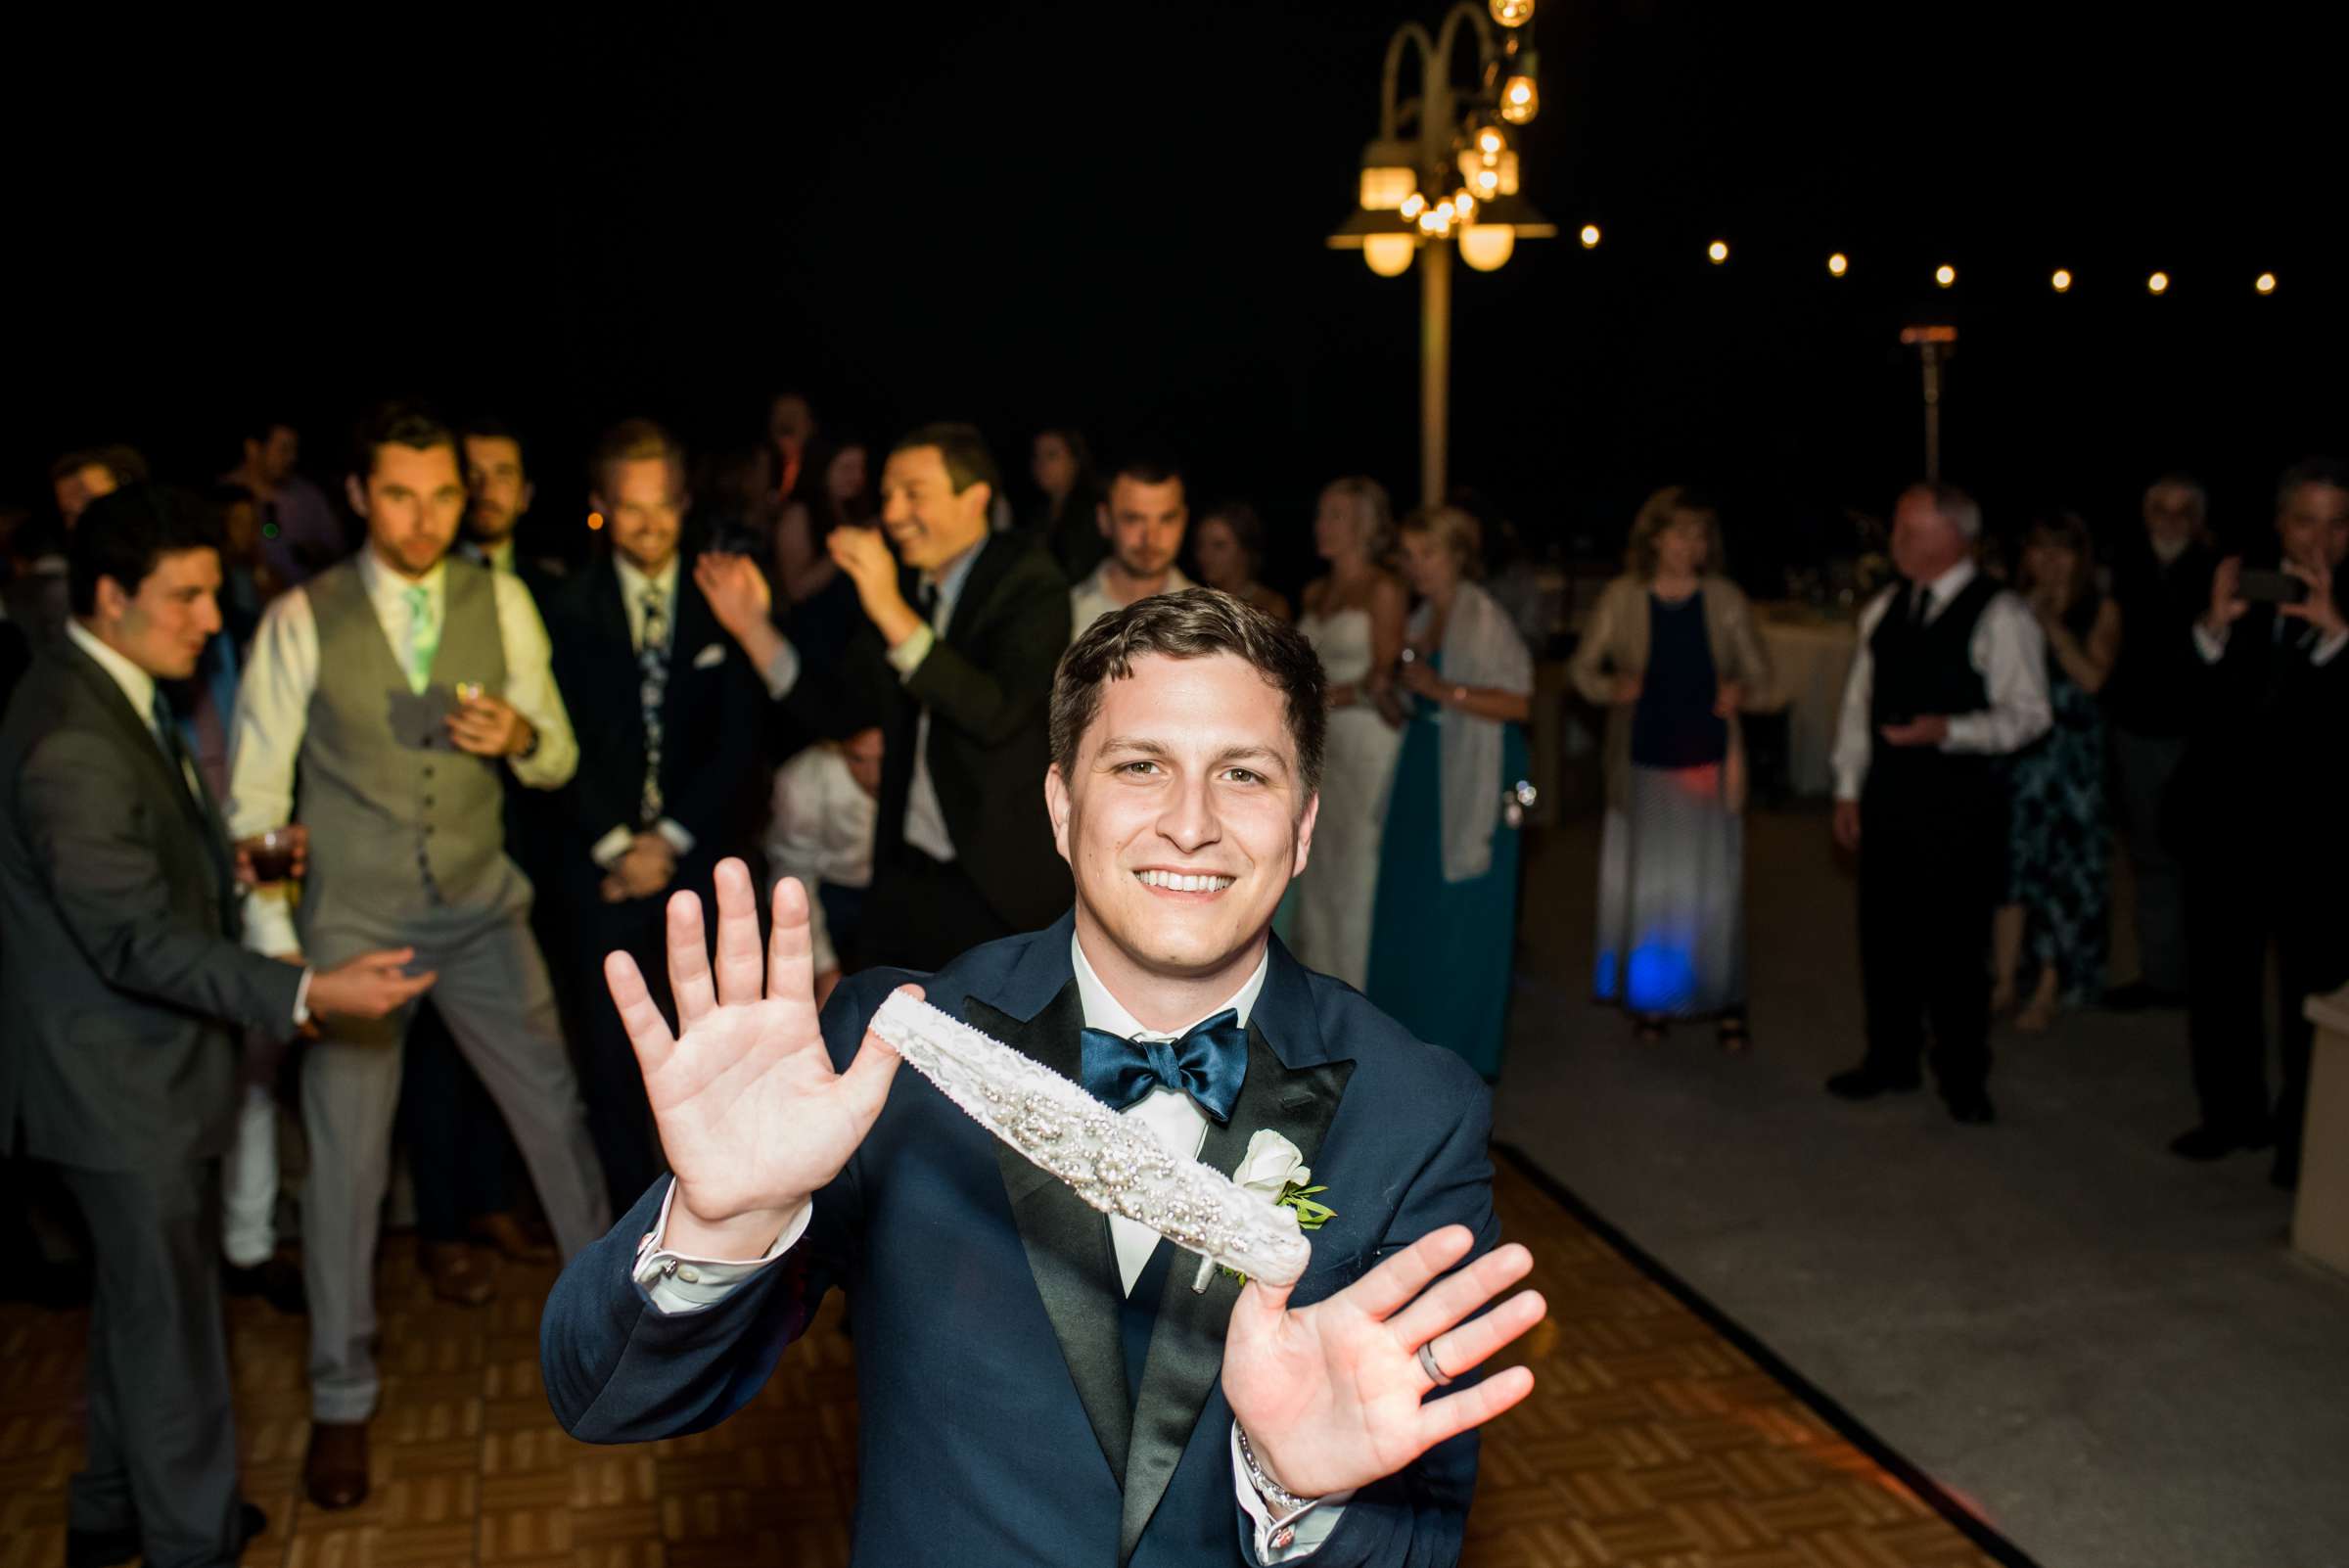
{"x":1113,"y":1164}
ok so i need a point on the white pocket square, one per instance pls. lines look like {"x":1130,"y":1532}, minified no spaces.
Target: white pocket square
{"x":710,"y":658}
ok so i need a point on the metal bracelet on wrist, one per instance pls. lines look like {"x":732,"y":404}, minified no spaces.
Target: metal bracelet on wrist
{"x":1286,"y":1504}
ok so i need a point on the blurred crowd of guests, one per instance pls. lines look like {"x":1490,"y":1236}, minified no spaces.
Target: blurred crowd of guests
{"x":2001,"y":729}
{"x":379,"y":779}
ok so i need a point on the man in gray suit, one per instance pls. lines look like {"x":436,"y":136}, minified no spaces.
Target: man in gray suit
{"x":407,"y":685}
{"x":128,"y":991}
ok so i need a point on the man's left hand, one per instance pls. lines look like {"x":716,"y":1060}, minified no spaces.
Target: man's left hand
{"x":1331,"y":1395}
{"x":1930,"y":730}
{"x":647,"y":868}
{"x":2317,"y":609}
{"x":864,"y":554}
{"x":490,"y":726}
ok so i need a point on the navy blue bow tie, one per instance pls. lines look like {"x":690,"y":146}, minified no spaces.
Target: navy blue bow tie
{"x":1209,"y":1064}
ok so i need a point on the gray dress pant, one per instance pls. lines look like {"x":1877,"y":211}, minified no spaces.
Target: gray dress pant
{"x":162,"y":1444}
{"x":2146,"y":763}
{"x":494,"y":995}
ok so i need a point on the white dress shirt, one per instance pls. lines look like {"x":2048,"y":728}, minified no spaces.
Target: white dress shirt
{"x":820,"y":830}
{"x":1090,"y":600}
{"x":2007,"y":648}
{"x":925,"y":818}
{"x":635,"y":588}
{"x":2213,"y":646}
{"x":678,"y":1285}
{"x":281,"y":676}
{"x":139,"y":687}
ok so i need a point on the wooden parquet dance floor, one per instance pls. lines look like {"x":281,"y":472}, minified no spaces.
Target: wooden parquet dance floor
{"x":1650,"y":1441}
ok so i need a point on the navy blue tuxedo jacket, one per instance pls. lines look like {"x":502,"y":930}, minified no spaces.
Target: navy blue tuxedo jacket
{"x":983,"y":1298}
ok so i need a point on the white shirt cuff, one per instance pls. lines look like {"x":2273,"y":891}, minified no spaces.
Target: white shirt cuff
{"x":1968,"y":732}
{"x":2325,"y":651}
{"x":2212,"y":647}
{"x":907,"y":656}
{"x":611,"y":846}
{"x":674,"y":832}
{"x":678,"y":1285}
{"x":782,"y":671}
{"x":1311,"y":1529}
{"x":301,"y":999}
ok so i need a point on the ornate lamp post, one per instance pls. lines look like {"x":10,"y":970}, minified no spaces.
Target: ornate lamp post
{"x":1452,"y":180}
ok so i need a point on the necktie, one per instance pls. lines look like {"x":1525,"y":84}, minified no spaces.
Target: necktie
{"x":1208,"y":1063}
{"x":167,"y":736}
{"x":925,"y":599}
{"x":1921,"y":607}
{"x":424,"y":639}
{"x":652,"y":668}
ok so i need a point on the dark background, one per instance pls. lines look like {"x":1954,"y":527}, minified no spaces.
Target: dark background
{"x":1114,"y":214}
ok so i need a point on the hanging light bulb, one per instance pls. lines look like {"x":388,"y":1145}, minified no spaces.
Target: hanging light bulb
{"x":1464,"y":204}
{"x":1487,"y":182}
{"x":1486,"y":246}
{"x":2159,"y":282}
{"x":1945,"y":275}
{"x":1411,"y":206}
{"x":1520,"y":98}
{"x":1389,"y":254}
{"x":2062,"y":279}
{"x":1719,"y":251}
{"x":1512,"y":12}
{"x":1491,"y":143}
{"x":1838,"y":264}
{"x":2266,"y":283}
{"x":1589,"y":236}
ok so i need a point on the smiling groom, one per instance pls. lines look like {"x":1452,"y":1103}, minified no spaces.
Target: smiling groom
{"x":1039,"y":1383}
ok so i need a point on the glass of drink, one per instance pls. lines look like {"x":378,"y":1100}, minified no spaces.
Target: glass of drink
{"x":271,"y":855}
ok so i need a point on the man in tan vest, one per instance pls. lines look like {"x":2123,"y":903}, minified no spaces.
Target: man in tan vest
{"x":402,"y":684}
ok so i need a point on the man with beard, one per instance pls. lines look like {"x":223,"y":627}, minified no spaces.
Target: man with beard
{"x":1143,"y":520}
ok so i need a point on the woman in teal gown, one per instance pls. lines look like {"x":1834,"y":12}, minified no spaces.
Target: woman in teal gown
{"x":1445,"y":927}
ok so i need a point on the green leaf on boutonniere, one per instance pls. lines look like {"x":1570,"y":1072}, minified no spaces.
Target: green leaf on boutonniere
{"x":1310,"y":1216}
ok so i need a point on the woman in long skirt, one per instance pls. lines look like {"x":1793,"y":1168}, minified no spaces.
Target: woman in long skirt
{"x":1445,"y":930}
{"x":1671,"y":650}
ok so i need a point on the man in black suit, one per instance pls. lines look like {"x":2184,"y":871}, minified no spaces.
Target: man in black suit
{"x":670,"y":714}
{"x":2257,"y":812}
{"x":122,"y":968}
{"x":963,"y":627}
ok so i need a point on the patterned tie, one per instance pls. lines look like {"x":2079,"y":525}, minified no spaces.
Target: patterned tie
{"x":652,"y":666}
{"x":1209,"y":1062}
{"x":175,"y":745}
{"x":424,"y":639}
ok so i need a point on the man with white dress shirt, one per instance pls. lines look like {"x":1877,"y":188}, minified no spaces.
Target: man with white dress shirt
{"x":1143,"y":519}
{"x":1949,"y":676}
{"x":820,"y":831}
{"x":118,"y":893}
{"x":402,"y":685}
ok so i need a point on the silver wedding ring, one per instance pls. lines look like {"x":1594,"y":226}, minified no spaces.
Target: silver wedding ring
{"x":1427,"y":1364}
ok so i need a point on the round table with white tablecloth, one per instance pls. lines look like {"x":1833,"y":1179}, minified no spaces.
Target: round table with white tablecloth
{"x":1810,"y":657}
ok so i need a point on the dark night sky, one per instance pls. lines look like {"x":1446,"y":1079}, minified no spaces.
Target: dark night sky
{"x":1114,"y":214}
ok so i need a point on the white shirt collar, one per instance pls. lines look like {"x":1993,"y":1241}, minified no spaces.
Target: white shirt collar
{"x":386,"y":588}
{"x":633,"y":582}
{"x":1941,"y":589}
{"x":498,"y":557}
{"x":1104,"y":1012}
{"x":136,"y":683}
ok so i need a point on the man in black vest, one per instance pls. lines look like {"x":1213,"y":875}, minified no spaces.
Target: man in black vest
{"x":963,"y":628}
{"x":1951,"y":674}
{"x":2257,"y":811}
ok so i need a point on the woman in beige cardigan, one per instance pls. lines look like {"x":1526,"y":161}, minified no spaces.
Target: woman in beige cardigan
{"x":1671,"y":650}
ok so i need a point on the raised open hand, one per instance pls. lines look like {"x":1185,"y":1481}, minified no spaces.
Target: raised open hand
{"x":752,"y":1115}
{"x":1331,"y":1395}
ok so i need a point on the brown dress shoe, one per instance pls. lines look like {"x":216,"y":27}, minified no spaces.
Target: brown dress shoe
{"x":334,"y":1471}
{"x":458,"y":1272}
{"x":504,"y":1232}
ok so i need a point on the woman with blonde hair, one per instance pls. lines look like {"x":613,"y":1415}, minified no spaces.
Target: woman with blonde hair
{"x":1445,"y":924}
{"x":1672,"y":653}
{"x":1354,"y":619}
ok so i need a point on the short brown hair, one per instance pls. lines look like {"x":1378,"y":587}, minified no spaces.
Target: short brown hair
{"x":1656,"y":513}
{"x":1457,"y":531}
{"x":636,"y":440}
{"x":1195,"y":624}
{"x":961,"y":449}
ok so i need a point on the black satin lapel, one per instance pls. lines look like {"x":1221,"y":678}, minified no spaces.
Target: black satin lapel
{"x":1067,"y":1240}
{"x":1186,"y":1349}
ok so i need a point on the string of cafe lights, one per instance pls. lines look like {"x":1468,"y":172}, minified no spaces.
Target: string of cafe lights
{"x":1839,"y":265}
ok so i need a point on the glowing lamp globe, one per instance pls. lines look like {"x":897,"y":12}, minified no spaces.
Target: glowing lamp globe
{"x":1389,"y":254}
{"x":1486,"y":246}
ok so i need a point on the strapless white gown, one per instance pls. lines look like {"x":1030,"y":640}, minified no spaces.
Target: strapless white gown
{"x":1332,"y":922}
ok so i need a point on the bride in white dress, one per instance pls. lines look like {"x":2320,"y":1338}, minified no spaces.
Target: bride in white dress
{"x":1354,"y":618}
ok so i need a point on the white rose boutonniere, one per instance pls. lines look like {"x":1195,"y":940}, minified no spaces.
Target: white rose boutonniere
{"x":1275,"y":1168}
